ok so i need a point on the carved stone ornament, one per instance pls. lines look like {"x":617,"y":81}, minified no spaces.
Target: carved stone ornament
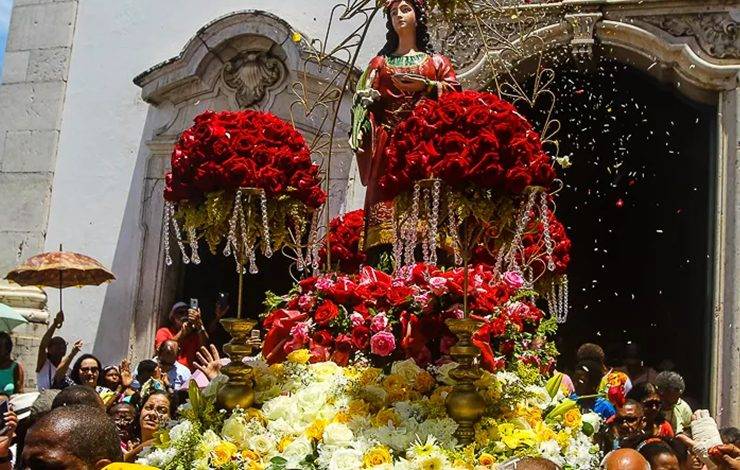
{"x":251,"y":74}
{"x":582,"y":27}
{"x":716,"y":33}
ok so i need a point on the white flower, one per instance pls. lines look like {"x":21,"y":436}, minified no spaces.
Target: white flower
{"x":593,"y":419}
{"x":235,"y":430}
{"x":181,"y":430}
{"x":263,"y":444}
{"x":443,"y":373}
{"x":564,"y":162}
{"x":374,"y":394}
{"x":280,"y":407}
{"x":296,"y":451}
{"x":325,"y":371}
{"x":550,"y":450}
{"x":159,"y":457}
{"x":337,"y":434}
{"x":406,"y":369}
{"x":345,"y":459}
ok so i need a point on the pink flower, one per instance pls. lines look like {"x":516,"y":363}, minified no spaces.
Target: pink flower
{"x":379,"y":322}
{"x":357,"y":319}
{"x":513,"y":279}
{"x":305,"y":302}
{"x":299,"y":336}
{"x":324,"y":284}
{"x":382,"y":343}
{"x":438,"y":285}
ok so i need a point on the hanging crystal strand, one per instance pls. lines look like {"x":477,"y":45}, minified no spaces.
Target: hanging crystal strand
{"x":412,"y":226}
{"x":251,"y":248}
{"x":552,"y":305}
{"x":266,"y":243}
{"x":178,"y":236}
{"x":433,"y":220}
{"x":425,"y":238}
{"x":193,"y":239}
{"x":521,"y":225}
{"x":545,"y":219}
{"x":233,"y":220}
{"x":563,"y":300}
{"x":452,"y":225}
{"x":314,"y":242}
{"x":299,"y":260}
{"x":167,"y":220}
{"x":398,"y":247}
{"x":246,"y":248}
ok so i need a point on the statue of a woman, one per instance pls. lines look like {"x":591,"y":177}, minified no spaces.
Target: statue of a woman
{"x":404,"y":71}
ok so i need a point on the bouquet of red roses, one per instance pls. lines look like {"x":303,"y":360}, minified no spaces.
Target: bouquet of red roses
{"x":377,"y":317}
{"x":466,"y":138}
{"x":345,"y":232}
{"x":220,"y":155}
{"x":231,"y":149}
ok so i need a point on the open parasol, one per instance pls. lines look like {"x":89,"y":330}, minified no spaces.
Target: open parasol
{"x":9,"y":318}
{"x":60,"y":269}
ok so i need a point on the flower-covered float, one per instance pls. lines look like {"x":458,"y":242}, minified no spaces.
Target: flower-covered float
{"x":415,"y":366}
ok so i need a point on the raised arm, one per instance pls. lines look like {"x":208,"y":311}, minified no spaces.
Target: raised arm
{"x":64,"y":365}
{"x":55,"y":325}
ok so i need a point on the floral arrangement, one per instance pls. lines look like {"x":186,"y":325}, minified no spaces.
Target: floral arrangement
{"x":324,"y":416}
{"x":215,"y":160}
{"x":379,"y":317}
{"x":343,"y":239}
{"x":226,"y":150}
{"x":467,"y":138}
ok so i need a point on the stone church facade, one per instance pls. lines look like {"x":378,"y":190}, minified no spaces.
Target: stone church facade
{"x":94,"y":96}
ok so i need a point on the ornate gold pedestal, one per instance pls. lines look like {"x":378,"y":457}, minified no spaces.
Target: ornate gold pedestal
{"x":464,"y":404}
{"x":238,"y":391}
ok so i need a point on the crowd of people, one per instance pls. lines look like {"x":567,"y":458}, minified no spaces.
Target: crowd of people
{"x":86,"y":416}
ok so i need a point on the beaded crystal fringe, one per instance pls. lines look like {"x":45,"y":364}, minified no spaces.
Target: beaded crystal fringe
{"x":557,"y":299}
{"x":238,"y":238}
{"x":425,"y":203}
{"x":521,"y":225}
{"x":169,"y":218}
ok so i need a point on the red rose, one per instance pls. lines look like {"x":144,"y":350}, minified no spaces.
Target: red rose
{"x":271,"y":180}
{"x":543,"y":173}
{"x":361,"y":337}
{"x":342,"y":349}
{"x":399,"y":295}
{"x":326,"y":312}
{"x":517,"y":179}
{"x":323,"y":337}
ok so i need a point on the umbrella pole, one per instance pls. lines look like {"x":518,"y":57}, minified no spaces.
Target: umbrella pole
{"x":60,"y":284}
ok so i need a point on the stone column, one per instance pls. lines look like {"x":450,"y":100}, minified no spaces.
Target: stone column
{"x":32,"y":93}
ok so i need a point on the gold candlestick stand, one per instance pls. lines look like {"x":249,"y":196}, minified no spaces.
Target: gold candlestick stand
{"x":464,"y":404}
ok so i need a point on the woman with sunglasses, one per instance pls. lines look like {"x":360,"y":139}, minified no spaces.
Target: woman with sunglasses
{"x":86,"y":372}
{"x":656,"y":424}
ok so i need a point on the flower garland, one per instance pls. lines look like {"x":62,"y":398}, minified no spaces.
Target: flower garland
{"x":372,"y":316}
{"x":323,"y":416}
{"x":246,"y":176}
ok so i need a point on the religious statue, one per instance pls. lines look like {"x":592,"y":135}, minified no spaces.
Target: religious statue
{"x":405,"y":71}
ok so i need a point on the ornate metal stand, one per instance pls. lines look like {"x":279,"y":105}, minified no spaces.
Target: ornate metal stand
{"x":464,"y":404}
{"x":238,"y":390}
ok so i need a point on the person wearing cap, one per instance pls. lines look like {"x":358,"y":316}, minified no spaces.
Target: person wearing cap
{"x":185,"y":326}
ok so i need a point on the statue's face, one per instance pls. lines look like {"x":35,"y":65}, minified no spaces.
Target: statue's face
{"x":403,"y":16}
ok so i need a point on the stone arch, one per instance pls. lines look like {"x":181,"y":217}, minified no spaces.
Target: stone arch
{"x":246,"y":59}
{"x":695,"y":46}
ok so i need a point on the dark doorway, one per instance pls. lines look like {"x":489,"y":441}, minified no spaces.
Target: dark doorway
{"x":217,"y":273}
{"x":638,"y":203}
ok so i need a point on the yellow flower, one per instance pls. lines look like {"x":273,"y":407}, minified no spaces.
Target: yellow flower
{"x":486,"y":459}
{"x":531,"y":414}
{"x":384,"y":416}
{"x":223,"y":453}
{"x":378,"y":455}
{"x":277,"y":369}
{"x":572,"y":418}
{"x":431,"y":463}
{"x":250,"y":455}
{"x":394,"y":382}
{"x":424,"y":382}
{"x":369,"y":375}
{"x":299,"y":356}
{"x":341,"y":417}
{"x":543,"y":432}
{"x":563,"y":439}
{"x":358,"y":408}
{"x":284,"y":442}
{"x":296,"y":36}
{"x":316,"y":429}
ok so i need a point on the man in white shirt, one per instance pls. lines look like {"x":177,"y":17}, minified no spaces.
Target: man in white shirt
{"x":51,"y":362}
{"x":177,"y":374}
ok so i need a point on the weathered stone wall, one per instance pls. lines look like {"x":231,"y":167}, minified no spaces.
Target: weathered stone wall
{"x":32,"y":95}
